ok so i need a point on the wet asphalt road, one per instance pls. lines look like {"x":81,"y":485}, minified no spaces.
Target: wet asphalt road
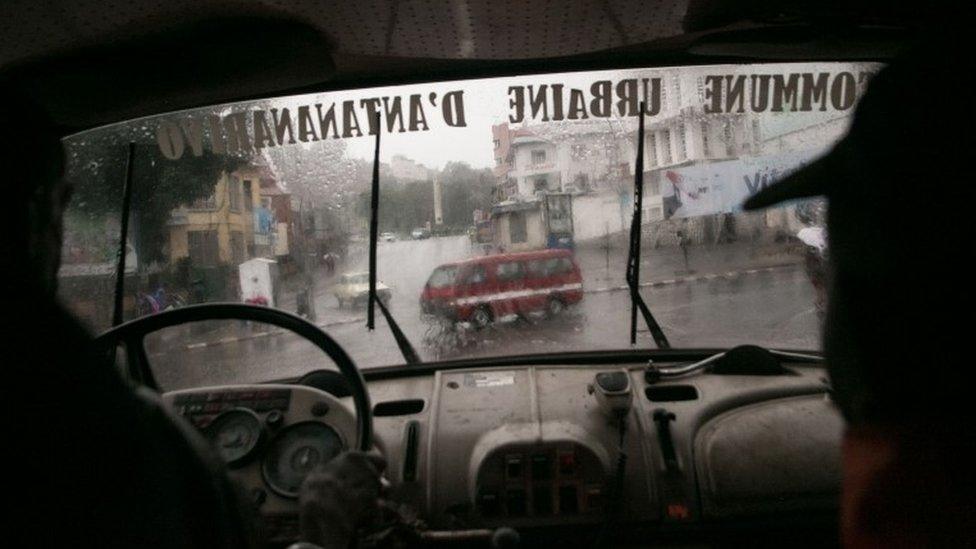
{"x":722,"y":303}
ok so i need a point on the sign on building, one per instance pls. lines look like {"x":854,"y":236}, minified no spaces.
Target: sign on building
{"x":721,"y":187}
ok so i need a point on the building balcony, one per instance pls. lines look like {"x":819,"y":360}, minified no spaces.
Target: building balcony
{"x":534,"y":169}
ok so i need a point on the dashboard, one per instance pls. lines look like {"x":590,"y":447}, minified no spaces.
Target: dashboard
{"x":544,"y":448}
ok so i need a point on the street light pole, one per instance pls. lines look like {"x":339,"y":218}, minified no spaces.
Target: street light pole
{"x":310,"y":256}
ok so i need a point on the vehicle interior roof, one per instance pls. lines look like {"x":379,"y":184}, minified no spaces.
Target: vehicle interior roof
{"x":121,"y":60}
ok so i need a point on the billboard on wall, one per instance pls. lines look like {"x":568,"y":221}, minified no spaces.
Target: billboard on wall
{"x":721,"y":187}
{"x":559,"y":213}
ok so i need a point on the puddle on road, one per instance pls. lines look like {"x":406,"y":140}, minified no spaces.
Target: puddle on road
{"x":445,"y":340}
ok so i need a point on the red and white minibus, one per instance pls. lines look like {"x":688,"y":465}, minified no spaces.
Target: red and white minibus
{"x":483,"y":289}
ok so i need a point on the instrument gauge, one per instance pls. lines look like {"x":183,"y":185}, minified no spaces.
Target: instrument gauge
{"x":235,"y":434}
{"x":295,"y":452}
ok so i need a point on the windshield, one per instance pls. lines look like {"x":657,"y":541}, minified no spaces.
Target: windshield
{"x":442,"y":277}
{"x":530,"y":178}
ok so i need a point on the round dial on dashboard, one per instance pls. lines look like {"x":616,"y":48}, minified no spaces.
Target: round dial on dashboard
{"x":235,"y":434}
{"x":297,"y":451}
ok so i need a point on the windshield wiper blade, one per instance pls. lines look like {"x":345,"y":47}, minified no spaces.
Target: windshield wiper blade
{"x":634,"y":253}
{"x":406,"y":349}
{"x":119,"y":298}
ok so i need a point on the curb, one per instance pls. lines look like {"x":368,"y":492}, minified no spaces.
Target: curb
{"x":226,"y":340}
{"x":686,"y":279}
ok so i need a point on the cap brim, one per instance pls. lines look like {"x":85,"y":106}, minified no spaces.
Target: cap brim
{"x":810,"y":180}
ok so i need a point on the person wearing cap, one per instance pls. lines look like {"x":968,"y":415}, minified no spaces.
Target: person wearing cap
{"x":901,"y":304}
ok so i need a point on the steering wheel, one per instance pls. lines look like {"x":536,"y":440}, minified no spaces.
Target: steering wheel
{"x":132,"y":333}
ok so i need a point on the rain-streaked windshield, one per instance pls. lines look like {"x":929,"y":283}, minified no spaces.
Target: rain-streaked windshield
{"x":528,"y":179}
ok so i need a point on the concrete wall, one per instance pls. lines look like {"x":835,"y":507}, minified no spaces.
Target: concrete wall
{"x":535,"y":232}
{"x":595,"y":215}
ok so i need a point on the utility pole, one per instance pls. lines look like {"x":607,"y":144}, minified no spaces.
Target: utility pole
{"x":438,"y":202}
{"x":613,"y":170}
{"x":306,"y":296}
{"x":311,"y":255}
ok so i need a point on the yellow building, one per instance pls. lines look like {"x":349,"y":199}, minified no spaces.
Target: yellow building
{"x":219,"y":229}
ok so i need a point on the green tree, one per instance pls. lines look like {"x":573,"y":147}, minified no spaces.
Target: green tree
{"x":464,"y":190}
{"x":409,"y":205}
{"x":96,"y":167}
{"x":402,"y":207}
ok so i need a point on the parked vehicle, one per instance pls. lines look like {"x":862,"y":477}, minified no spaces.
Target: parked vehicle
{"x":483,"y":289}
{"x":419,"y":233}
{"x":388,"y":237}
{"x":353,"y":290}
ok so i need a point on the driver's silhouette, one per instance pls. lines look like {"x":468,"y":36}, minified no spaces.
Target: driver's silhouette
{"x":902,"y":302}
{"x":91,"y":461}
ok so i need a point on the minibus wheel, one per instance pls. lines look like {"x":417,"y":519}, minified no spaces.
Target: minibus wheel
{"x":481,"y":317}
{"x":554,"y":307}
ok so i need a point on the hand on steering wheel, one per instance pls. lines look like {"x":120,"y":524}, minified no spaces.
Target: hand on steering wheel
{"x":339,"y":498}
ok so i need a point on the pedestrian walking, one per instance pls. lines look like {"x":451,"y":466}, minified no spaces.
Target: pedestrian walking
{"x":330,"y":260}
{"x":815,"y":262}
{"x":683,"y":242}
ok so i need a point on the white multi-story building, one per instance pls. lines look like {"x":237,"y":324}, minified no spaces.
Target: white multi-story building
{"x":576,"y":156}
{"x":533,"y":167}
{"x":586,"y":159}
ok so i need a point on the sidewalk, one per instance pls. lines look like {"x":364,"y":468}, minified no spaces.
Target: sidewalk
{"x":220,"y":332}
{"x":666,"y":265}
{"x":325,"y":303}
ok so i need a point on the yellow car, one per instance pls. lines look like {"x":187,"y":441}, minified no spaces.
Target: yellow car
{"x":353,"y":289}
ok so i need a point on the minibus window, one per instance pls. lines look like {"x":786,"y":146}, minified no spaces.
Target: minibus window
{"x":509,"y":271}
{"x":477,"y":275}
{"x":558,"y":265}
{"x":442,"y":277}
{"x":537,"y":268}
